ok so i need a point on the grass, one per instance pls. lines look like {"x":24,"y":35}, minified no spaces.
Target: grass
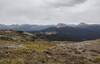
{"x":12,"y":61}
{"x":21,"y":55}
{"x":4,"y":42}
{"x":33,"y":52}
{"x":97,"y":59}
{"x":39,"y":46}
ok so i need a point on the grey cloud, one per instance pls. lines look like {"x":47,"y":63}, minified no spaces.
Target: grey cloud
{"x":61,"y":3}
{"x":49,"y":11}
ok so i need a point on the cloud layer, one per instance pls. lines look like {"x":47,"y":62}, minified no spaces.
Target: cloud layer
{"x":49,"y":11}
{"x":61,"y":3}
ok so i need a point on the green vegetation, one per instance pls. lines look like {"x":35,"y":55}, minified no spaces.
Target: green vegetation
{"x":39,"y":46}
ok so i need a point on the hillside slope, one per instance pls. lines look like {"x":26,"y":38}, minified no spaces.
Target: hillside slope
{"x":55,"y":52}
{"x":77,"y":33}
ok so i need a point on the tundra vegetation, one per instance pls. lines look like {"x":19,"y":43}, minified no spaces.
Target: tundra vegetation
{"x":23,"y":48}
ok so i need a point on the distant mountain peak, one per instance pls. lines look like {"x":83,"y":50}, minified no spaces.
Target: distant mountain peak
{"x":60,"y":25}
{"x":83,"y":24}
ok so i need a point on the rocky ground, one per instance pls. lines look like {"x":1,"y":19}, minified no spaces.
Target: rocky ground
{"x":18,"y":48}
{"x":43,"y":52}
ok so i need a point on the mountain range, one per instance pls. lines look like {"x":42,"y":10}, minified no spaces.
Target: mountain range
{"x":23,"y":27}
{"x":79,"y":32}
{"x":28,"y":27}
{"x":60,"y":31}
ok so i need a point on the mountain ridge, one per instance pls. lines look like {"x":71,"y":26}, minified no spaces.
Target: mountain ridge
{"x":28,"y":27}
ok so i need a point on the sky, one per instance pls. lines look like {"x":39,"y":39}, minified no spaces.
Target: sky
{"x":49,"y":11}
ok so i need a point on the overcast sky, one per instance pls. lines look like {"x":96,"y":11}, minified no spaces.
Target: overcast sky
{"x":49,"y":11}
